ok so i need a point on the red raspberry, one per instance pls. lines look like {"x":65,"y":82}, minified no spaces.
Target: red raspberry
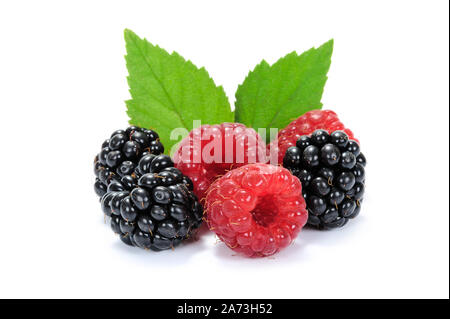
{"x":305,"y":125}
{"x":236,"y":144}
{"x":257,"y":209}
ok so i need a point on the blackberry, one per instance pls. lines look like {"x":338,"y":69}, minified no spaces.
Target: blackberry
{"x":331,"y":170}
{"x":120,"y":154}
{"x":154,"y":206}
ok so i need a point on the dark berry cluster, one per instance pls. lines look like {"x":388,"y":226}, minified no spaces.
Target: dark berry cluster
{"x":331,"y":169}
{"x":121,"y":153}
{"x":148,"y":201}
{"x":154,"y":207}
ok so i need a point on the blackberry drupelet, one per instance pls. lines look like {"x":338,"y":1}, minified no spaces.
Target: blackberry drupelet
{"x":154,"y":207}
{"x":121,"y":153}
{"x":331,"y":169}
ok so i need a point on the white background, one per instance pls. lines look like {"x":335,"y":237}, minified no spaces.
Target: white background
{"x":62,"y":87}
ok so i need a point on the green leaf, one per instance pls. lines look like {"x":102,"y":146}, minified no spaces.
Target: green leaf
{"x":169,"y":92}
{"x":273,"y":95}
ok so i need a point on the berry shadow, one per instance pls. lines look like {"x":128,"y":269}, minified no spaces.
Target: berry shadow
{"x":177,"y":257}
{"x":298,"y":251}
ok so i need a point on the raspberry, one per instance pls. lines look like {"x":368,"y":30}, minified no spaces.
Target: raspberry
{"x":257,"y":209}
{"x":120,"y":154}
{"x":236,"y":144}
{"x":154,"y":207}
{"x":305,"y":125}
{"x":331,"y":170}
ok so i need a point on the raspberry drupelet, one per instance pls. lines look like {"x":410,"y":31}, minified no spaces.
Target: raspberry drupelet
{"x":257,"y":209}
{"x":210,"y":151}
